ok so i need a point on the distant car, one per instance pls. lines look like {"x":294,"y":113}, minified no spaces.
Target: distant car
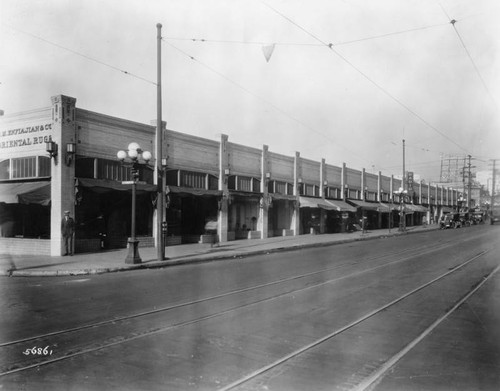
{"x":450,"y":220}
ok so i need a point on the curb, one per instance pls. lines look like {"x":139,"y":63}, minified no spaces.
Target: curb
{"x":192,"y":258}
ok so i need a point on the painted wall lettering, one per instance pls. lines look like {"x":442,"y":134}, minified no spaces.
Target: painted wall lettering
{"x":21,"y":137}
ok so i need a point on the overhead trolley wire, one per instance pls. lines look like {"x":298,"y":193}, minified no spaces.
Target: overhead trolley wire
{"x":225,"y":41}
{"x":83,"y":55}
{"x":453,"y":22}
{"x":260,"y":98}
{"x":387,"y":93}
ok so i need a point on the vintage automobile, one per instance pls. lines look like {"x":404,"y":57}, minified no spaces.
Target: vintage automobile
{"x":466,"y":219}
{"x":450,"y":220}
{"x":478,"y":217}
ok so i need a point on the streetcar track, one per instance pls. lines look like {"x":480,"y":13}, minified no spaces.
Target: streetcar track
{"x":377,"y":375}
{"x":319,"y":341}
{"x":435,"y":247}
{"x":226,"y":311}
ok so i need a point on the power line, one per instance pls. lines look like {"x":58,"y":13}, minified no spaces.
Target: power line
{"x":225,"y":41}
{"x":387,"y":93}
{"x":262,"y":99}
{"x":83,"y":55}
{"x":453,"y":22}
{"x":474,"y":65}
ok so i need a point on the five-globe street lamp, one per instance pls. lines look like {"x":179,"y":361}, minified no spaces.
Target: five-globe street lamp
{"x":134,"y":153}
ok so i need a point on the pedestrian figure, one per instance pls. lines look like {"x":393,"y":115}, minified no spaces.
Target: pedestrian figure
{"x":68,"y":231}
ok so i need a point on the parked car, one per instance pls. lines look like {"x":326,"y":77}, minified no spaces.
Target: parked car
{"x":465,"y":219}
{"x":450,"y":220}
{"x":478,"y":218}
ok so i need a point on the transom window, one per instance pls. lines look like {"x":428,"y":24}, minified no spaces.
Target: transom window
{"x":25,"y":167}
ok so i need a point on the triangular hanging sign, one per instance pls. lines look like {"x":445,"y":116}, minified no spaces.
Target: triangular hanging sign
{"x":268,"y":51}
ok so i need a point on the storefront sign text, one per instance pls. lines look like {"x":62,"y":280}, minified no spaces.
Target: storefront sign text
{"x":18,"y":137}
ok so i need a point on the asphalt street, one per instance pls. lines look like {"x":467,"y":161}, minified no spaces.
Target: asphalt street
{"x":415,"y":312}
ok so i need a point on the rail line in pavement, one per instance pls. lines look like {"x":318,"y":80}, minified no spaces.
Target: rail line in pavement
{"x":171,"y":307}
{"x":427,"y":249}
{"x":356,"y":322}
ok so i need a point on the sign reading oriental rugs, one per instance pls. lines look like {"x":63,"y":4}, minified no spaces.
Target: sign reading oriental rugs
{"x":27,"y":136}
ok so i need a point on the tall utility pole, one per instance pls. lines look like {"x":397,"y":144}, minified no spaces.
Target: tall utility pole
{"x":492,"y":204}
{"x":404,"y":173}
{"x":159,"y":158}
{"x":469,"y":185}
{"x":402,"y":217}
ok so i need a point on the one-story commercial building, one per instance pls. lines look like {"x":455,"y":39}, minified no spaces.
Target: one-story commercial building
{"x":62,"y":157}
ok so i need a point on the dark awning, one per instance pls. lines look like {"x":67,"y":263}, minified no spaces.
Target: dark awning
{"x":287,"y":197}
{"x":106,"y":185}
{"x":192,"y":191}
{"x":367,"y":205}
{"x":341,"y":206}
{"x":244,"y":194}
{"x":310,"y":202}
{"x":25,"y":193}
{"x":386,"y":208}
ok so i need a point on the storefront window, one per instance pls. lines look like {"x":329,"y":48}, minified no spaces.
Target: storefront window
{"x":213,"y":182}
{"x":4,"y":169}
{"x":255,"y":185}
{"x":24,"y":167}
{"x":371,"y":196}
{"x":84,"y":167}
{"x":114,"y":170}
{"x":280,"y":187}
{"x":172,"y":178}
{"x":335,"y":193}
{"x":244,"y":183}
{"x":43,"y":166}
{"x":309,"y":190}
{"x":354,"y":194}
{"x":193,"y":179}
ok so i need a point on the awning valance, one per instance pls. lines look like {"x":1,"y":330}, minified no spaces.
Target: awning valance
{"x":278,"y":196}
{"x":309,"y":202}
{"x":106,"y":185}
{"x":416,"y":208}
{"x":341,"y":206}
{"x":192,"y":191}
{"x":244,"y":194}
{"x":25,"y":193}
{"x":367,"y":205}
{"x":386,"y":208}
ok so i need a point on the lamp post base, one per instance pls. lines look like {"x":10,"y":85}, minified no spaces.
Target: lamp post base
{"x":133,"y":252}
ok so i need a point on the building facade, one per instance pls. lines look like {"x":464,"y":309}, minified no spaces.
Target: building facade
{"x":64,"y":158}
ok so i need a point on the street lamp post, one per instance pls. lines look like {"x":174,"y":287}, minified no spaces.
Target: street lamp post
{"x":402,"y":221}
{"x":134,"y":152}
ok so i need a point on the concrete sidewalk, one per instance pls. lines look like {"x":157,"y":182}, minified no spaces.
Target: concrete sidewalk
{"x":114,"y":260}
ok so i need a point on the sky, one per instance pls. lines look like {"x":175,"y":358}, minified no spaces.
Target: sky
{"x":346,"y":80}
